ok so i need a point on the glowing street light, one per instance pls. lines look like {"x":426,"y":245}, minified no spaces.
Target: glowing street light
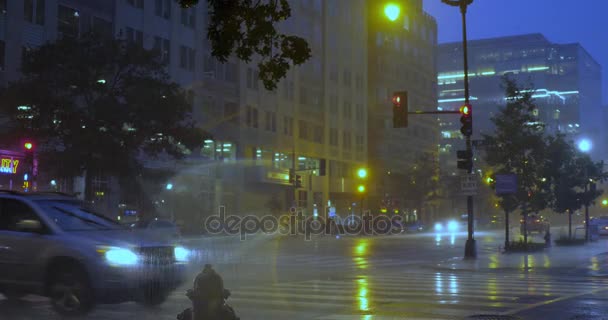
{"x":392,"y":11}
{"x":605,"y":202}
{"x":585,"y":145}
{"x":362,"y":173}
{"x":361,"y":188}
{"x":169,"y":186}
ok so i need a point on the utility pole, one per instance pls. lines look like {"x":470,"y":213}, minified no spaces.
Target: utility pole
{"x":470,"y":250}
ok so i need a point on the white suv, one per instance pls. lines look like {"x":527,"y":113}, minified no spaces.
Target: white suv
{"x":53,"y":246}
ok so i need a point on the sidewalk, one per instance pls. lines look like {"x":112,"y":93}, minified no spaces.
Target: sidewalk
{"x":592,"y":258}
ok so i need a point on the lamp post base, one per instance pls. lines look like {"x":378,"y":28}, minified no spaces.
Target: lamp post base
{"x":470,"y":249}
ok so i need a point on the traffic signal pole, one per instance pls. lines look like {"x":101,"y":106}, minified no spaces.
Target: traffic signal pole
{"x":470,"y":250}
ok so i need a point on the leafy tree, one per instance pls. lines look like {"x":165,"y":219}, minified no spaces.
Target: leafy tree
{"x":421,"y":186}
{"x":562,"y":168}
{"x":517,"y":147}
{"x":246,"y":29}
{"x":99,"y":106}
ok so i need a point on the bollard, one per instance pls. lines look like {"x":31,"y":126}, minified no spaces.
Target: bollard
{"x":208,"y":297}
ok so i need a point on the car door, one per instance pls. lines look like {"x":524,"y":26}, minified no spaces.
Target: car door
{"x":20,"y":249}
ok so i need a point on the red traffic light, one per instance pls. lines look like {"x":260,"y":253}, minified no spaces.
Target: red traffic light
{"x":397,"y":99}
{"x":466,"y":110}
{"x":28,"y":145}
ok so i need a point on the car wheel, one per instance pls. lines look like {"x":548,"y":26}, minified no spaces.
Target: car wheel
{"x":70,"y":291}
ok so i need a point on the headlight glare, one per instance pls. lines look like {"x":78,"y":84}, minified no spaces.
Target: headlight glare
{"x":181,"y":254}
{"x":119,"y":256}
{"x":452,"y":226}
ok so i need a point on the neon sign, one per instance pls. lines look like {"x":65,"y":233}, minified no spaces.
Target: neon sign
{"x":9,"y":166}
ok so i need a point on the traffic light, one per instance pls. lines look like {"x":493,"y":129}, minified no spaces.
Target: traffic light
{"x":400,"y":109}
{"x":465,"y":160}
{"x":292,"y":176}
{"x":466,"y":118}
{"x":298,"y":181}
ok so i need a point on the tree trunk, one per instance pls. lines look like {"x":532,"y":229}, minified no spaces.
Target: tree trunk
{"x":569,"y":224}
{"x":506,"y":229}
{"x":525,"y":228}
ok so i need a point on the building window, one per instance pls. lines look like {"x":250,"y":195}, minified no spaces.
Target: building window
{"x":231,"y":113}
{"x":268,"y":122}
{"x":303,"y":95}
{"x":333,"y":104}
{"x":288,"y":88}
{"x":186,"y":58}
{"x":333,"y":137}
{"x":163,"y":46}
{"x":249,"y":78}
{"x":346,"y":140}
{"x":348,"y":112}
{"x":359,"y":143}
{"x":68,"y":21}
{"x":318,"y":134}
{"x":231,"y":73}
{"x":333,"y":74}
{"x":136,"y":3}
{"x":347,"y":78}
{"x":288,"y":126}
{"x":135,"y":37}
{"x":273,"y":126}
{"x":188,"y":17}
{"x":302,"y":129}
{"x":162,"y":8}
{"x":33,"y":11}
{"x":359,"y":112}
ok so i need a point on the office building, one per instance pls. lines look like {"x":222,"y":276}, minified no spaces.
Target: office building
{"x":566,"y":79}
{"x":402,"y":57}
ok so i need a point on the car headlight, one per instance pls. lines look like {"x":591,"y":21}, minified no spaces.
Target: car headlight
{"x":438,"y":227}
{"x":119,"y":256}
{"x":181,"y":254}
{"x":452,"y":226}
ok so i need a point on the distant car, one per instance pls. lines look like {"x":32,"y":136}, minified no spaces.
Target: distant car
{"x":601,"y":223}
{"x":159,"y":226}
{"x":535,"y":223}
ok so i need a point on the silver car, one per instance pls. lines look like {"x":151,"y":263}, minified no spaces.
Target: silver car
{"x":53,"y":246}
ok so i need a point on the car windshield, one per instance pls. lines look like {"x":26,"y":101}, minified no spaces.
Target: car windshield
{"x":72,"y":216}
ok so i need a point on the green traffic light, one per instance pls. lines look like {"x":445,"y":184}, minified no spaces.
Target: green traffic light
{"x":391,"y":11}
{"x":605,"y":202}
{"x":361,"y":188}
{"x":362,"y":173}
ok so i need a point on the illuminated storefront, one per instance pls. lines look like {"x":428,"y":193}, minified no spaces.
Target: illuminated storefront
{"x":13,"y":171}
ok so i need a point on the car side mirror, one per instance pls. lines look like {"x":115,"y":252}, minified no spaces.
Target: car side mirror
{"x":33,"y":226}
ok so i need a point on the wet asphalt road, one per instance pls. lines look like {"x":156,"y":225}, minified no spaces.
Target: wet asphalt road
{"x":418,"y":276}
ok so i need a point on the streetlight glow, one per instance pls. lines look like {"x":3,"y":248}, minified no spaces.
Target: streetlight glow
{"x":361,"y":188}
{"x":362,"y":173}
{"x":585,"y":145}
{"x":392,"y":11}
{"x":169,"y":186}
{"x":605,"y":202}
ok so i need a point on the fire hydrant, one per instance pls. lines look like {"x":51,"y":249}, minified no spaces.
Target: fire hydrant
{"x":208,"y":297}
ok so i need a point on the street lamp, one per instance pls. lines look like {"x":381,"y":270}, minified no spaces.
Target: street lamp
{"x":392,"y":11}
{"x":585,"y":145}
{"x":470,"y":249}
{"x":169,"y":186}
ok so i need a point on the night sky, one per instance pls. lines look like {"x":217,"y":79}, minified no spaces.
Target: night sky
{"x":561,"y":21}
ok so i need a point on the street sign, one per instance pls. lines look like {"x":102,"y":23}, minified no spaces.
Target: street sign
{"x":468,"y":184}
{"x":506,"y":184}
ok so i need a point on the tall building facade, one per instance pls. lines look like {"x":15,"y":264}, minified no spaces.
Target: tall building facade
{"x":566,"y":80}
{"x":402,"y":57}
{"x":315,"y":122}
